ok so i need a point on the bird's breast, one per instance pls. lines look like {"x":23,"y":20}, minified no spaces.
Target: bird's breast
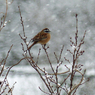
{"x":44,"y":41}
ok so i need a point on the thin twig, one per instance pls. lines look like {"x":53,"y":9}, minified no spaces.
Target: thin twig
{"x":61,"y":52}
{"x":5,"y":60}
{"x":38,"y":56}
{"x":5,"y":14}
{"x":21,"y":21}
{"x":44,"y":91}
{"x":56,"y":57}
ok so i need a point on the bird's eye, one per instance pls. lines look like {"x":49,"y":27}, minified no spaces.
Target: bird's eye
{"x":46,"y":30}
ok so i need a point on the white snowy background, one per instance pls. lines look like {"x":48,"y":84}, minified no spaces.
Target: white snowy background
{"x":59,"y":17}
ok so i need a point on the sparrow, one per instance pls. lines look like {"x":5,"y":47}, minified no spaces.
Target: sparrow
{"x":42,"y":38}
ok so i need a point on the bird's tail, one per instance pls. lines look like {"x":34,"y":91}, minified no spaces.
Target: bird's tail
{"x":31,"y":45}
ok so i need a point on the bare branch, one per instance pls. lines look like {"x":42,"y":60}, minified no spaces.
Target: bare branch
{"x":45,"y":49}
{"x":61,"y":52}
{"x":4,"y":17}
{"x":21,"y":21}
{"x":5,"y":60}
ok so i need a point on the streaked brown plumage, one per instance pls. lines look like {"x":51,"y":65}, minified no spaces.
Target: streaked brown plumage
{"x":42,"y":37}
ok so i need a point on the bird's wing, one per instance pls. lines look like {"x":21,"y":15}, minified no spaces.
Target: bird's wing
{"x":39,"y":37}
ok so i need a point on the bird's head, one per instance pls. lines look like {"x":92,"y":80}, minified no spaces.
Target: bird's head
{"x":46,"y":30}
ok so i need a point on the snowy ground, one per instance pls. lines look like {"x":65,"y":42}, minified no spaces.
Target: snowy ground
{"x":28,"y":82}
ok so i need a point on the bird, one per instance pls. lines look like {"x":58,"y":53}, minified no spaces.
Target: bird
{"x":42,"y":38}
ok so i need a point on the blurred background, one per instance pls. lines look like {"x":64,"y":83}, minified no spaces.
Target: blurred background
{"x":59,"y":17}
